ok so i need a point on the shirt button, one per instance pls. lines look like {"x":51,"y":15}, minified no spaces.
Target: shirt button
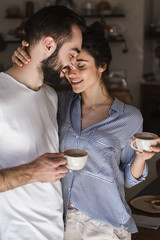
{"x":70,"y":171}
{"x":69,"y":189}
{"x":77,"y":136}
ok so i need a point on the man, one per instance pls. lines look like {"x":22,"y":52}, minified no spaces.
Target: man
{"x":31,"y":198}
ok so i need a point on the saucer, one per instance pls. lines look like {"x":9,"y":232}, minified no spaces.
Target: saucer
{"x":142,"y":204}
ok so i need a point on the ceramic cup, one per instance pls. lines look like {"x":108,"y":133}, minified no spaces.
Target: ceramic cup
{"x":143,"y":141}
{"x":76,"y":158}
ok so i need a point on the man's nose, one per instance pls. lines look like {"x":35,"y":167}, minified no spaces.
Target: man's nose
{"x":72,"y":65}
{"x":73,"y":62}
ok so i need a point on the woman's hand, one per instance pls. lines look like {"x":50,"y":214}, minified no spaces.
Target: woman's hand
{"x":147,"y":155}
{"x":138,"y":164}
{"x":156,"y":148}
{"x":20,"y":56}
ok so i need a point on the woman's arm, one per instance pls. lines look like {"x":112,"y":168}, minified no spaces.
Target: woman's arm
{"x":138,"y":164}
{"x":134,"y":163}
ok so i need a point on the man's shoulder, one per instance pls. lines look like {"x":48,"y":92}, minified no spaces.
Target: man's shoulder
{"x":49,"y":90}
{"x":3,"y":76}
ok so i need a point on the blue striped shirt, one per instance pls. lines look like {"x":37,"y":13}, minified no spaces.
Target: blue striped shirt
{"x":98,"y":189}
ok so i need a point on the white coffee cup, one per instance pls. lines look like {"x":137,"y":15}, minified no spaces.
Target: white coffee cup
{"x":76,"y":158}
{"x":143,"y":141}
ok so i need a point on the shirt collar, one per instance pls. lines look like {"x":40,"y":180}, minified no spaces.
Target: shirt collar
{"x":118,"y":106}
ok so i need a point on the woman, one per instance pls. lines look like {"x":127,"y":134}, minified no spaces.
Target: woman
{"x":90,"y":119}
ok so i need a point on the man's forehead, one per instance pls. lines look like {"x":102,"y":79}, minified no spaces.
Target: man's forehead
{"x":75,"y":50}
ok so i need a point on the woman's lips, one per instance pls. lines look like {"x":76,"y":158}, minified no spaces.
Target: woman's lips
{"x":75,"y":82}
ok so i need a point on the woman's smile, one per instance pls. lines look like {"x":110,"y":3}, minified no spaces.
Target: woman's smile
{"x":75,"y":82}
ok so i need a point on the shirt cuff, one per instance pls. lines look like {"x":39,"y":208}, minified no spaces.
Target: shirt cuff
{"x":132,"y":181}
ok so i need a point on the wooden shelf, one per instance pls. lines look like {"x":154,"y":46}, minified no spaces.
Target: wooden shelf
{"x":12,"y":40}
{"x":115,"y":39}
{"x":110,"y":39}
{"x":14,"y":17}
{"x":105,"y":16}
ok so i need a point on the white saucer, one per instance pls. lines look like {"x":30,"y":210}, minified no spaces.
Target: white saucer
{"x":141,"y":204}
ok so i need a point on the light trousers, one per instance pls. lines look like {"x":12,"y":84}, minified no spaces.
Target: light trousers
{"x":81,"y":227}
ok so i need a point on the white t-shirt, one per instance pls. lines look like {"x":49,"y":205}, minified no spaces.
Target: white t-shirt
{"x":28,"y":128}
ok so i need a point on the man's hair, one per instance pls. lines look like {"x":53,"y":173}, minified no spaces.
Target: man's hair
{"x":53,"y":21}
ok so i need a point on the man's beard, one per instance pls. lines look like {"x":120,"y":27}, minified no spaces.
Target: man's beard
{"x":52,"y":76}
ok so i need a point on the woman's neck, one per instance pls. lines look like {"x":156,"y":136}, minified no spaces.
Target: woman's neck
{"x":97,"y":96}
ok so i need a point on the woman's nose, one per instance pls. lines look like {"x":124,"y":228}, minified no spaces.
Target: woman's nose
{"x":72,"y":72}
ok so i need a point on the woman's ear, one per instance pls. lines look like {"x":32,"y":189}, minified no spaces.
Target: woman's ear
{"x":103,"y":67}
{"x":49,"y":45}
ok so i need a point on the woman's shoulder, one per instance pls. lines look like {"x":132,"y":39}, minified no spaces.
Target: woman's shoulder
{"x":133,"y":111}
{"x":129,"y":111}
{"x":129,"y":118}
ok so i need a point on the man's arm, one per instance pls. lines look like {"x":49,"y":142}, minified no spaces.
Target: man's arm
{"x":49,"y":167}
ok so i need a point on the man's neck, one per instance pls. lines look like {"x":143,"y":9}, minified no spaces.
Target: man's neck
{"x":27,"y":75}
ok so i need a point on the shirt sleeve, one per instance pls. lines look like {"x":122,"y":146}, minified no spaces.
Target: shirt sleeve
{"x":127,"y":157}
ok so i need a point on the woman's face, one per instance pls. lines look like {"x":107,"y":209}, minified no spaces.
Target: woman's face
{"x":86,"y":76}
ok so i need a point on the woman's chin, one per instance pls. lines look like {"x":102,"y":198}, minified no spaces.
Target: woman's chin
{"x":76,"y":90}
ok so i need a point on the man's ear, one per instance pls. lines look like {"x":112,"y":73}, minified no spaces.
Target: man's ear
{"x":103,"y":67}
{"x":49,"y":45}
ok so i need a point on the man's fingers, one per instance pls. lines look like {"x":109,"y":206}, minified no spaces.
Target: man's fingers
{"x":54,"y":155}
{"x":62,"y":175}
{"x":62,"y":169}
{"x":59,"y":162}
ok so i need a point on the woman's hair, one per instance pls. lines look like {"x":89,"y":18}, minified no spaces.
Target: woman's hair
{"x":54,"y":21}
{"x":95,"y":43}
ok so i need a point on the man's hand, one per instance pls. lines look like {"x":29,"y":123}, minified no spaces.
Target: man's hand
{"x":20,"y":56}
{"x":49,"y":167}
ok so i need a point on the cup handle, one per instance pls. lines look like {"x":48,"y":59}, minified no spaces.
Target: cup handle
{"x":132,"y":144}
